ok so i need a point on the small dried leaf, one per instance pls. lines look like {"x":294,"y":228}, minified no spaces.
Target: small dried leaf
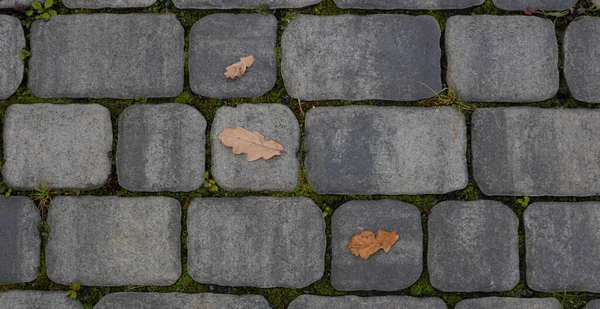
{"x":238,"y":69}
{"x":365,"y":243}
{"x":253,"y":144}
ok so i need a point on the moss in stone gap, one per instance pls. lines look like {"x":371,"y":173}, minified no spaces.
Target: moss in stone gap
{"x":451,"y":299}
{"x":422,"y":287}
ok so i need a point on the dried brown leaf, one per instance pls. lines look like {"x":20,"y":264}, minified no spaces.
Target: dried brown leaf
{"x":238,"y":69}
{"x":253,"y":144}
{"x":365,"y":243}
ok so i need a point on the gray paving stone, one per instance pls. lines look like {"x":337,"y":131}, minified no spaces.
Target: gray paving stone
{"x":502,"y":58}
{"x":161,"y":148}
{"x":536,"y":152}
{"x":66,"y":146}
{"x":385,"y":150}
{"x":37,"y":300}
{"x":582,"y":50}
{"x":219,"y":40}
{"x":276,"y":122}
{"x":473,"y":247}
{"x":14,"y":3}
{"x":563,"y":243}
{"x":98,"y":4}
{"x":509,"y":303}
{"x":114,"y":241}
{"x":19,"y":240}
{"x":594,"y":304}
{"x":242,"y":4}
{"x":355,"y":302}
{"x":407,"y":4}
{"x":547,"y":5}
{"x":121,"y":56}
{"x":396,"y":270}
{"x":256,"y":241}
{"x":349,"y":57}
{"x":12,"y":40}
{"x":126,"y":300}
{"x":596,"y":3}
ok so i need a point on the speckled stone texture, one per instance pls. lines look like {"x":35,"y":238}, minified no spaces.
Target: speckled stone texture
{"x":547,"y":5}
{"x":12,"y":40}
{"x":98,"y":4}
{"x":256,"y":241}
{"x":350,"y":57}
{"x":392,"y":271}
{"x":122,"y":56}
{"x":114,"y":241}
{"x":276,"y":122}
{"x":355,"y":302}
{"x":582,"y":54}
{"x":473,"y":247}
{"x":563,"y":244}
{"x":536,"y":152}
{"x":407,"y":4}
{"x":502,"y":58}
{"x":14,"y":3}
{"x":37,"y":300}
{"x":385,"y":150}
{"x":220,"y":40}
{"x":594,"y":304}
{"x":161,"y":148}
{"x":509,"y":303}
{"x":19,"y":240}
{"x":125,"y":300}
{"x":66,"y":146}
{"x":242,"y":4}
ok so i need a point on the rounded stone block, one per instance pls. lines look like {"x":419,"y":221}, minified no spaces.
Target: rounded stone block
{"x":242,"y":4}
{"x":407,"y":4}
{"x":594,"y":304}
{"x":12,"y":41}
{"x":509,"y":303}
{"x":125,"y":300}
{"x":18,"y":299}
{"x":547,"y":5}
{"x":99,"y":4}
{"x":582,"y":58}
{"x":355,"y":302}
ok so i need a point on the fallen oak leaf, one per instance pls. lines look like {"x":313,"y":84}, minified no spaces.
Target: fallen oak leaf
{"x":365,"y":243}
{"x":253,"y":144}
{"x":238,"y":69}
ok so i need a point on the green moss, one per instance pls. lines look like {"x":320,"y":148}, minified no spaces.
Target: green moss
{"x":487,"y":8}
{"x":451,"y":299}
{"x":323,"y":287}
{"x":422,"y":287}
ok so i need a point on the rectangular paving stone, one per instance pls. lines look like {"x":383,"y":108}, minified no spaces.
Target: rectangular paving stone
{"x":276,"y":122}
{"x":124,"y":300}
{"x":392,"y":271}
{"x":582,"y":59}
{"x":242,"y":4}
{"x":19,"y":240}
{"x":385,"y":150}
{"x":350,"y":57}
{"x":66,"y":146}
{"x":594,"y":304}
{"x":536,"y":152}
{"x":120,"y":56}
{"x":114,"y":241}
{"x":509,"y":303}
{"x":547,"y":5}
{"x":161,"y":148}
{"x":256,"y":241}
{"x":562,"y":242}
{"x":17,"y":299}
{"x":502,"y":58}
{"x":98,"y":4}
{"x":407,"y":4}
{"x":220,"y":40}
{"x":473,"y":247}
{"x":12,"y":40}
{"x":355,"y":302}
{"x":15,"y":3}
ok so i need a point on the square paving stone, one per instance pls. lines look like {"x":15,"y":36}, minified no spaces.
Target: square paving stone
{"x":509,"y":303}
{"x":37,"y":300}
{"x":563,"y":244}
{"x":66,"y":146}
{"x":242,"y":4}
{"x":536,"y":152}
{"x":256,"y":241}
{"x":12,"y":41}
{"x":98,"y":4}
{"x":582,"y":59}
{"x":114,"y":241}
{"x":126,"y":300}
{"x":220,"y":40}
{"x":473,"y":247}
{"x":161,"y":148}
{"x":276,"y":122}
{"x":122,"y":56}
{"x":355,"y":302}
{"x":385,"y":150}
{"x":395,"y":270}
{"x":350,"y":57}
{"x":502,"y":58}
{"x":547,"y":5}
{"x":407,"y":4}
{"x":19,"y":240}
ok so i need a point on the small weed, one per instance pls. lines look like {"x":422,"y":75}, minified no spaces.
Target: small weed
{"x":326,"y":211}
{"x":43,"y":11}
{"x":8,"y":192}
{"x":263,"y":9}
{"x":73,"y":291}
{"x":210,"y":184}
{"x":448,"y":97}
{"x":288,"y":17}
{"x":524,"y":202}
{"x":24,"y":55}
{"x":42,"y":196}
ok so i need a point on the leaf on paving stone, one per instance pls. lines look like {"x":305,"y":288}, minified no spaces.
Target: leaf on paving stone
{"x":238,"y":69}
{"x":365,"y":243}
{"x":253,"y":144}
